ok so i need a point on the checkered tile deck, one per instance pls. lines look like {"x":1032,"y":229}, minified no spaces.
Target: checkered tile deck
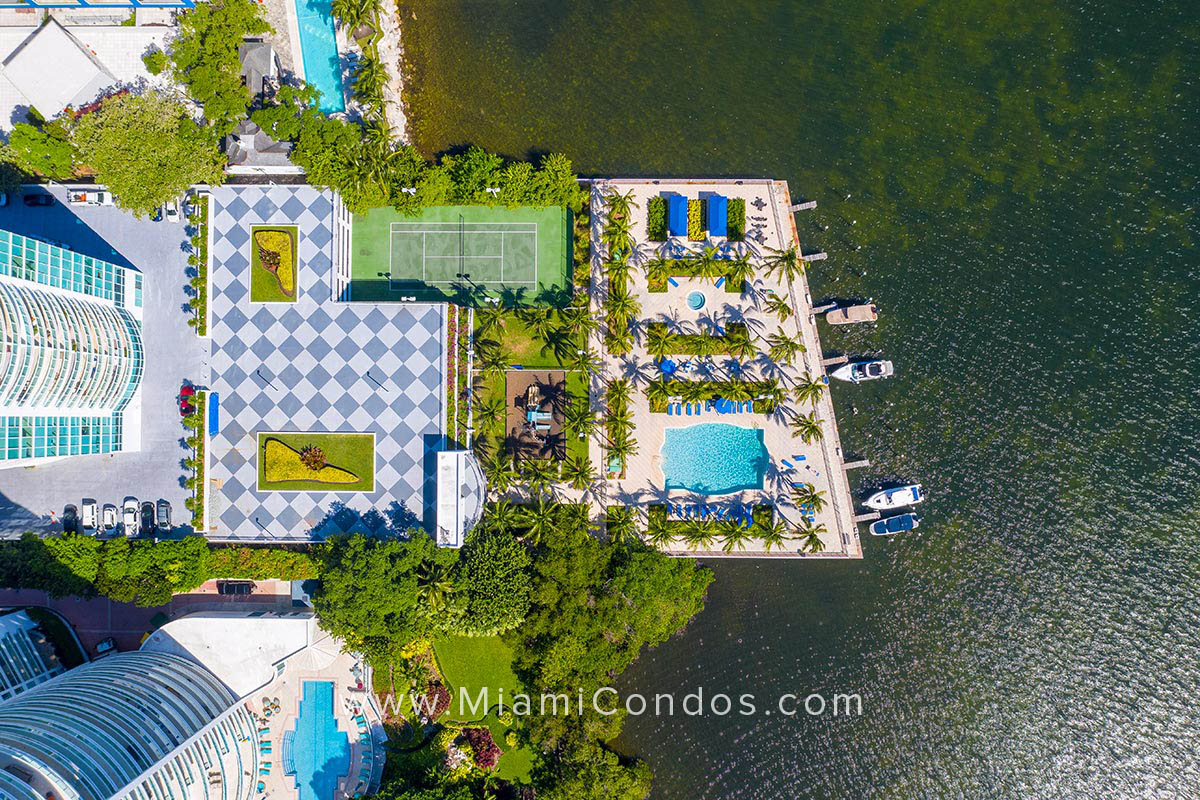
{"x":316,"y":365}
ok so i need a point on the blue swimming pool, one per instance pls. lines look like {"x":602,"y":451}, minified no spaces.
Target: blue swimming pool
{"x":318,"y":49}
{"x":714,"y":458}
{"x":320,"y":753}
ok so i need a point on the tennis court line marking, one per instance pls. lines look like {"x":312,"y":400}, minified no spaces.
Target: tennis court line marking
{"x":512,"y":227}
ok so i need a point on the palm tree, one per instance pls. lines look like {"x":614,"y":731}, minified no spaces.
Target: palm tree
{"x":618,"y":393}
{"x":353,"y":13}
{"x":538,"y":474}
{"x":659,"y":341}
{"x":538,"y":518}
{"x":808,"y":495}
{"x":578,"y":419}
{"x":784,"y":348}
{"x":585,"y":360}
{"x":493,"y":361}
{"x":369,"y":77}
{"x":488,"y":319}
{"x":618,"y":271}
{"x":495,"y":464}
{"x":739,"y":344}
{"x":578,"y":472}
{"x":737,"y":391}
{"x":658,"y":531}
{"x":502,"y":516}
{"x":733,"y":535}
{"x":539,"y":320}
{"x":695,"y":391}
{"x":620,"y":522}
{"x":658,"y":393}
{"x":707,"y":346}
{"x":705,"y":263}
{"x":619,"y":205}
{"x":786,"y":263}
{"x":739,"y":270}
{"x":810,"y":390}
{"x":771,"y":533}
{"x":622,"y":449}
{"x":433,"y":585}
{"x":807,"y":428}
{"x":618,"y":236}
{"x":812,"y":537}
{"x":579,"y":321}
{"x":698,"y":533}
{"x":622,"y":306}
{"x":778,"y":306}
{"x":658,"y":270}
{"x":491,"y":410}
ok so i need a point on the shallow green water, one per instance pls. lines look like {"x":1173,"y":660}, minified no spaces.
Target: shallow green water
{"x":1022,"y":182}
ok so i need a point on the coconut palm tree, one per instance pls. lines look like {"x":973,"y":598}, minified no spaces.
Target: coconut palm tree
{"x":808,"y":428}
{"x":488,"y":319}
{"x":705,"y":263}
{"x":539,"y":474}
{"x":579,"y":321}
{"x":538,"y":517}
{"x":539,"y":320}
{"x":659,"y":341}
{"x":739,"y":270}
{"x":810,"y":390}
{"x":786,"y":263}
{"x":811,"y":534}
{"x":618,"y":393}
{"x":621,"y":306}
{"x":619,"y":205}
{"x":585,"y":360}
{"x":737,"y":391}
{"x":578,"y":472}
{"x":658,"y":270}
{"x":733,"y":535}
{"x":369,"y":77}
{"x":779,"y":306}
{"x":490,"y":410}
{"x":773,"y":393}
{"x":621,"y":524}
{"x":658,"y":393}
{"x":771,"y":533}
{"x":578,"y":419}
{"x":784,"y":348}
{"x":502,"y":516}
{"x":353,"y":13}
{"x":808,"y":495}
{"x":739,"y":344}
{"x":695,"y":391}
{"x":698,"y":534}
{"x":658,"y":531}
{"x":622,"y":448}
{"x":618,"y":236}
{"x":433,"y":585}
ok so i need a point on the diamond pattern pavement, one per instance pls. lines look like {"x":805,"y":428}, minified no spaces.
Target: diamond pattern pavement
{"x":316,"y":365}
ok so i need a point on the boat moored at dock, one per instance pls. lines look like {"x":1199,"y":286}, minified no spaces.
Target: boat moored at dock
{"x":867,"y":312}
{"x":901,"y":496}
{"x":859,"y":371}
{"x":897,"y":524}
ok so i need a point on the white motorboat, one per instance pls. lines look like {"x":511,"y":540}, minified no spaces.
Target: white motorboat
{"x":859,"y":371}
{"x":899,"y":497}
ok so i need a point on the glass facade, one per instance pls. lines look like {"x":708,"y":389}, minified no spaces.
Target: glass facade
{"x":71,"y":353}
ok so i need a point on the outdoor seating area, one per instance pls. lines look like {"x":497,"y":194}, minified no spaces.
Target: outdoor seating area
{"x":676,"y":407}
{"x":714,"y":216}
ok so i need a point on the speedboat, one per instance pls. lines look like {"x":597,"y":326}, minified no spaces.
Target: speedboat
{"x":894,"y":525}
{"x":859,"y":371}
{"x":896,"y":498}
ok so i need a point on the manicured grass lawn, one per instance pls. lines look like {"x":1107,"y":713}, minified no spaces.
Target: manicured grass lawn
{"x":577,"y":391}
{"x":515,"y":764}
{"x":264,"y":287}
{"x":469,"y":663}
{"x":354,"y":452}
{"x":523,"y":347}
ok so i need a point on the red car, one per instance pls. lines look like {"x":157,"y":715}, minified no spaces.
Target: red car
{"x":186,"y":393}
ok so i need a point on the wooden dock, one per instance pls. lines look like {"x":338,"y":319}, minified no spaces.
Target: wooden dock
{"x":824,"y":308}
{"x":829,"y":362}
{"x":810,"y":205}
{"x":862,"y":462}
{"x":870,"y":516}
{"x":814,"y":257}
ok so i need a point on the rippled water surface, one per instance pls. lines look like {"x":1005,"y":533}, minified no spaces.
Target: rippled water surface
{"x":1015,"y":184}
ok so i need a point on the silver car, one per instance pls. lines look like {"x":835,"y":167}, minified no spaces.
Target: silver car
{"x":129,"y":516}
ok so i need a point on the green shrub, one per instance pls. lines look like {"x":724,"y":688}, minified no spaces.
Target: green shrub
{"x":252,"y":563}
{"x":510,"y":738}
{"x":737,"y":219}
{"x":696,"y":226}
{"x":155,"y":61}
{"x":656,"y":222}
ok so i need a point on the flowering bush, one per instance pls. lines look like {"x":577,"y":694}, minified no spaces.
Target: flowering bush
{"x":510,"y":738}
{"x":487,"y":752}
{"x":437,"y":699}
{"x":312,"y":457}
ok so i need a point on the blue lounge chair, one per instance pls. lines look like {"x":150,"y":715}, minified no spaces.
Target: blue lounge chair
{"x":787,"y":463}
{"x":670,"y":410}
{"x":673,"y":282}
{"x":688,"y":409}
{"x":720,"y":282}
{"x":750,"y":406}
{"x":800,"y":458}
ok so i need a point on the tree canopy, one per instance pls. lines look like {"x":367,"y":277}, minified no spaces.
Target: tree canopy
{"x":146,"y":149}
{"x":204,"y":57}
{"x":493,"y":576}
{"x":44,"y":151}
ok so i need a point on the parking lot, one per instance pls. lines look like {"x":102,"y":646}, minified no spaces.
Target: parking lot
{"x":33,"y":498}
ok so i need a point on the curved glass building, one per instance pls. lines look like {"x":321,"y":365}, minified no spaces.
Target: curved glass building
{"x":141,"y":725}
{"x":71,"y":353}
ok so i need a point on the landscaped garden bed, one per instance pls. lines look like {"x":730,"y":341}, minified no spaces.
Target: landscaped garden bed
{"x":736,"y":222}
{"x":656,"y":219}
{"x":199,"y":260}
{"x":735,"y":272}
{"x":658,"y":392}
{"x":197,"y":506}
{"x":327,"y":462}
{"x":697,"y":229}
{"x":273,"y":263}
{"x":735,"y":341}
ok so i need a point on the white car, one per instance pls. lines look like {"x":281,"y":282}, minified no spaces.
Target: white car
{"x":129,"y":516}
{"x":171,"y":211}
{"x":89,"y":516}
{"x":108,"y":519}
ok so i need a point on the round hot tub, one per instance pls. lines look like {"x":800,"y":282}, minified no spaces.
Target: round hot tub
{"x":695,"y":301}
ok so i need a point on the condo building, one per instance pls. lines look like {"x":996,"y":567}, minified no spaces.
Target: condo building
{"x":136,"y":726}
{"x":71,"y":353}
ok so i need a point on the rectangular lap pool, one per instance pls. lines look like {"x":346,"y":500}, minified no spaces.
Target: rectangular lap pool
{"x":320,"y":753}
{"x":714,"y":458}
{"x":318,"y":49}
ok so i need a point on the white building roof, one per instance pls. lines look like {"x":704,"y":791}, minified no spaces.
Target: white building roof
{"x":461,"y":491}
{"x":54,"y":70}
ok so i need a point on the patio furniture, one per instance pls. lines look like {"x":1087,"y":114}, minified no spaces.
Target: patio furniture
{"x":718,"y":215}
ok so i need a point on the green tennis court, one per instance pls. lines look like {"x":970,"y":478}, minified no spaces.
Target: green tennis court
{"x":461,"y":253}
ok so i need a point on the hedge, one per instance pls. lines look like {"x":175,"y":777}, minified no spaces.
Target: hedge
{"x":686,"y":268}
{"x":696,"y":226}
{"x":688,"y":344}
{"x":656,"y":219}
{"x":737,"y":219}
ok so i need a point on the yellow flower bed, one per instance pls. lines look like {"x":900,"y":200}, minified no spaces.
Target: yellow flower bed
{"x":281,"y":463}
{"x":280,"y":243}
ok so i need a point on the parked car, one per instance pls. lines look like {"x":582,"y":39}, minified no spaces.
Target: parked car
{"x":89,"y":517}
{"x":157,"y":216}
{"x":90,"y":197}
{"x":70,"y":518}
{"x":235,"y":587}
{"x":39,"y":199}
{"x":164,"y":515}
{"x":106,"y":647}
{"x":147,"y":518}
{"x":129,"y":516}
{"x":172,"y":211}
{"x":108,"y":519}
{"x":186,"y":393}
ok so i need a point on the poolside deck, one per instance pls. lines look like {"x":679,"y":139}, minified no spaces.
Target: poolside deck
{"x":819,"y":463}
